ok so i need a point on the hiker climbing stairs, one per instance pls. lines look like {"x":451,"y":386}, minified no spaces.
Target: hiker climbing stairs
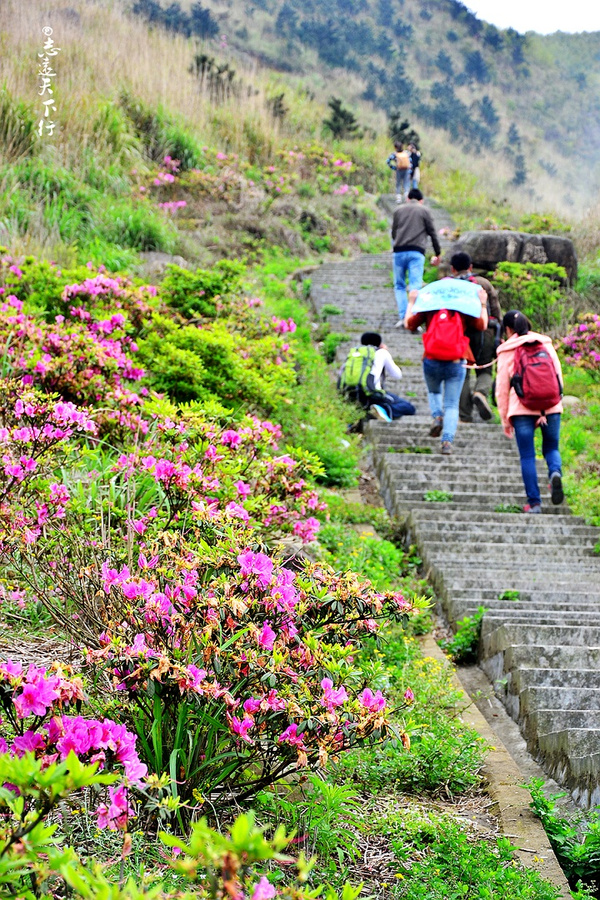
{"x":538,"y":577}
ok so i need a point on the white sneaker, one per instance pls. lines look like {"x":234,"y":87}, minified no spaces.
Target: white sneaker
{"x":379,"y":413}
{"x":399,"y":199}
{"x":400,"y":324}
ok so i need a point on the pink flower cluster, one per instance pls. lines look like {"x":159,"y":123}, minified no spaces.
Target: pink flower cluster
{"x":172,"y":205}
{"x":345,"y":189}
{"x":582,"y":344}
{"x":283,"y":326}
{"x":40,"y":694}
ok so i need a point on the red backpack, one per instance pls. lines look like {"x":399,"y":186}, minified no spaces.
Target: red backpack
{"x":535,"y":379}
{"x":445,"y":338}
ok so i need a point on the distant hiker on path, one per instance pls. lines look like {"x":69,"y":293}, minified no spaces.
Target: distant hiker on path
{"x":447,"y":349}
{"x":362,"y":376}
{"x":483,"y":344}
{"x":528,"y":392}
{"x":415,"y":165}
{"x":411,"y":225}
{"x":399,"y":160}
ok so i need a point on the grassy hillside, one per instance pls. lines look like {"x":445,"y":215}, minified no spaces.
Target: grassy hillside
{"x":530,"y":103}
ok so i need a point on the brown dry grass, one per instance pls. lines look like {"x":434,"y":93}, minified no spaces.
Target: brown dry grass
{"x":104,"y":50}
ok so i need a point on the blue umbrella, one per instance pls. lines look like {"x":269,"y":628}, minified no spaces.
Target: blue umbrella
{"x":449,"y":293}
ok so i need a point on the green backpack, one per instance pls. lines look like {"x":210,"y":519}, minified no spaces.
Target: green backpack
{"x":357,"y":368}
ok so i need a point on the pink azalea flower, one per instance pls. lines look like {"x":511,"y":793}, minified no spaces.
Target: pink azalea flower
{"x":408,"y":695}
{"x":264,"y":890}
{"x":36,"y":697}
{"x":291,"y":736}
{"x":373,"y":702}
{"x":256,"y":564}
{"x":331,"y":697}
{"x":235,"y":511}
{"x":241,"y":727}
{"x":266,"y":637}
{"x":231,"y":438}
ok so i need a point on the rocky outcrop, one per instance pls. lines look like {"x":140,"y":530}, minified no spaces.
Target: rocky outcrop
{"x":488,"y":248}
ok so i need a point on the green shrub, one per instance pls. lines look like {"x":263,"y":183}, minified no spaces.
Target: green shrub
{"x":576,"y":842}
{"x":194,"y":293}
{"x":330,"y":344}
{"x":135,"y":225}
{"x":191,"y":363}
{"x":464,"y":646}
{"x":536,"y":290}
{"x":543,"y":223}
{"x":159,"y":134}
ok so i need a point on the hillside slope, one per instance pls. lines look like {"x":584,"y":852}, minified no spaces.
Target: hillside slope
{"x":529,"y":102}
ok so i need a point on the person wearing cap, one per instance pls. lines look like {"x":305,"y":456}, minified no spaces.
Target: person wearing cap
{"x":483,"y":344}
{"x":520,"y":422}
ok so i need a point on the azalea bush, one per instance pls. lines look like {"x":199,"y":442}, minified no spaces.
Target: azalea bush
{"x":236,"y":668}
{"x":37,"y":705}
{"x":581,"y":345}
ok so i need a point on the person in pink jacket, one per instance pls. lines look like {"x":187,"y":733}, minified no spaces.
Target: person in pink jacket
{"x":520,"y":421}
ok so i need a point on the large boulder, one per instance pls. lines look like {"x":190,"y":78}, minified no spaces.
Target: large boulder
{"x":488,"y":248}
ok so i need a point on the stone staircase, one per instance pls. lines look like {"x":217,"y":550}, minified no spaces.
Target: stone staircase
{"x":540,"y":643}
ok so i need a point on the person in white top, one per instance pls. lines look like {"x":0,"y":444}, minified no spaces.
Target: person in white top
{"x":384,"y":405}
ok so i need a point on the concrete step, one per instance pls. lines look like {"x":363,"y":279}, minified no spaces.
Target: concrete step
{"x":526,"y":677}
{"x":511,"y":609}
{"x":497,"y":637}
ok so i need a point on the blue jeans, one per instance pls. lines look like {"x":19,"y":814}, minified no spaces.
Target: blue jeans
{"x":403,"y":182}
{"x":524,"y":431}
{"x":449,"y":377}
{"x":407,"y":263}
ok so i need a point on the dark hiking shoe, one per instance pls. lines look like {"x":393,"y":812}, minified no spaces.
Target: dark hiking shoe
{"x":557,"y":495}
{"x":436,"y":428}
{"x":483,"y":407}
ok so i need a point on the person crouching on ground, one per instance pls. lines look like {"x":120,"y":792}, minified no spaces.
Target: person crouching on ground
{"x":520,"y":420}
{"x":446,"y":352}
{"x":366,"y":386}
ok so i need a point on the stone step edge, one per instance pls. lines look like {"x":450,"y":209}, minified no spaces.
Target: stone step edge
{"x":504,"y":780}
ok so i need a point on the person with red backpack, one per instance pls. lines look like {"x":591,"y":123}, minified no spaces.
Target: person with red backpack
{"x":446,"y":352}
{"x":528,"y":393}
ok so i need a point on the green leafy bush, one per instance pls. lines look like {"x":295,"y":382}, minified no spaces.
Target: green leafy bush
{"x":439,"y":859}
{"x":464,"y":646}
{"x":194,"y":293}
{"x":576,"y":842}
{"x":136,"y":225}
{"x":190,"y":363}
{"x":536,"y":290}
{"x":543,"y":223}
